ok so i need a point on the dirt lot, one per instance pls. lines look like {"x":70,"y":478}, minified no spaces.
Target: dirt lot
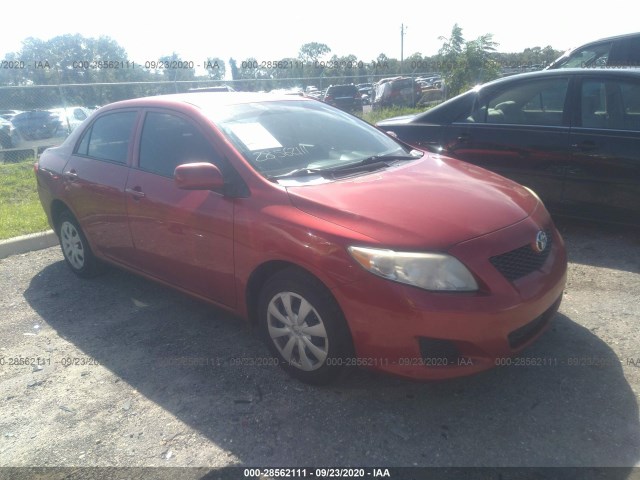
{"x":123,"y":372}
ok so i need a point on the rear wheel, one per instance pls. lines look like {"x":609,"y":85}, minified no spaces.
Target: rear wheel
{"x":75,"y":248}
{"x":304,"y":327}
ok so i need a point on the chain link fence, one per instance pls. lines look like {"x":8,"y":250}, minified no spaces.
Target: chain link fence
{"x":35,"y":117}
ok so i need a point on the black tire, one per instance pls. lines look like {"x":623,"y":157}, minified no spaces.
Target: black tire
{"x":5,"y":140}
{"x":311,"y":349}
{"x":75,"y":248}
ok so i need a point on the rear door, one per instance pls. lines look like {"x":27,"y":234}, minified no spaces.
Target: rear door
{"x":95,"y":179}
{"x":182,"y":237}
{"x":603,"y":180}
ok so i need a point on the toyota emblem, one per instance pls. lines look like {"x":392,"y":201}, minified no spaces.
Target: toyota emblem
{"x":541,"y":241}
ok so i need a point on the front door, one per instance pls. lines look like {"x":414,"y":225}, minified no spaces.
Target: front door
{"x":182,"y":237}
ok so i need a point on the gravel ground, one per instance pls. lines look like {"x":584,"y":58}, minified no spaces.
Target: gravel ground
{"x":126,"y":373}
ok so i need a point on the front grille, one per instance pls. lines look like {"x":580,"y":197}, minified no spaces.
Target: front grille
{"x":521,"y":261}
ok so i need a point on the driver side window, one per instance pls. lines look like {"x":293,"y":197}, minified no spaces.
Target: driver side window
{"x":538,"y":102}
{"x":168,"y":141}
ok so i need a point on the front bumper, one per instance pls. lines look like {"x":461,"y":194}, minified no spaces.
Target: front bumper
{"x":414,"y":333}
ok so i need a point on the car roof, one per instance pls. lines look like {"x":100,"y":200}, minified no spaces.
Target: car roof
{"x":204,"y":100}
{"x":598,"y":72}
{"x":607,"y":39}
{"x":567,"y":53}
{"x":434,"y":113}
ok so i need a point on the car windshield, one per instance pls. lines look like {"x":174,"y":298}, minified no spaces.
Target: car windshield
{"x":301,"y":137}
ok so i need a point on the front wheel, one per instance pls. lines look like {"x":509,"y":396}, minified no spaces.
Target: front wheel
{"x":304,"y":326}
{"x":75,"y":248}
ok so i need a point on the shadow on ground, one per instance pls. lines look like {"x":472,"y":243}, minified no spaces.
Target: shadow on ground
{"x":552,"y":414}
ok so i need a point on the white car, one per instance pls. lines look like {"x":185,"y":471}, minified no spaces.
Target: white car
{"x":71,"y":117}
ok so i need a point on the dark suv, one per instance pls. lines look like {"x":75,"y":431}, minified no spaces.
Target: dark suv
{"x":619,"y":51}
{"x":345,"y":97}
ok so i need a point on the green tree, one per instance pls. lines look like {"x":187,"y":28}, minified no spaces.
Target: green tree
{"x":309,"y":54}
{"x":176,"y":69}
{"x":312,"y":52}
{"x":465,"y":64}
{"x":235,"y":75}
{"x":70,"y":59}
{"x":216,"y":68}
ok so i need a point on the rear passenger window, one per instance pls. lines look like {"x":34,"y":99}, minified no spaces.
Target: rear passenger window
{"x":168,"y":141}
{"x":610,"y":104}
{"x":108,"y":137}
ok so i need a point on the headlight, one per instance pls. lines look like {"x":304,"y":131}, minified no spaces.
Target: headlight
{"x":431,"y":271}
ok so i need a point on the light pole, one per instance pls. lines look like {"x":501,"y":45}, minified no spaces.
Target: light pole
{"x":402,"y":34}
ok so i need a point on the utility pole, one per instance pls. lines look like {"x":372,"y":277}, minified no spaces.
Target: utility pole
{"x":402,"y":34}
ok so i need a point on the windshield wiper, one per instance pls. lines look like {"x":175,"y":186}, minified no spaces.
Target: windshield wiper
{"x":372,"y":163}
{"x":373,"y":160}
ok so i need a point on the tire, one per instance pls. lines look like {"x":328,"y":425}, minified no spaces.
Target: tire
{"x":75,"y":248}
{"x":312,"y":348}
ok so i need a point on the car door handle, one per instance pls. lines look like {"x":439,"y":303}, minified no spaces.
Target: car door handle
{"x":585,"y":146}
{"x":71,"y":175}
{"x":136,"y":192}
{"x":575,"y":171}
{"x":464,"y":138}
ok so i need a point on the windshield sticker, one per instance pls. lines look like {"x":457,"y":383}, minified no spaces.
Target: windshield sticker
{"x":283,"y":152}
{"x":254,"y":136}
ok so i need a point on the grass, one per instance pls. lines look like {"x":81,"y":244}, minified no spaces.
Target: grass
{"x":20,"y":209}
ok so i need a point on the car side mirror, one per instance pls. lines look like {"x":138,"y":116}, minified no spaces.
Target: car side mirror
{"x":198,"y":176}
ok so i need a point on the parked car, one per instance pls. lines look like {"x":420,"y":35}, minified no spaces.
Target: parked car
{"x":218,"y":88}
{"x":366,"y":92}
{"x":71,"y":117}
{"x":37,"y":128}
{"x":344,"y":97}
{"x":344,"y":245}
{"x":5,"y":133}
{"x":397,"y":91}
{"x":9,"y":114}
{"x":618,"y":51}
{"x":572,"y":135}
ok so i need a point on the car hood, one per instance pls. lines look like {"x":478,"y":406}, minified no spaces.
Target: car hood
{"x":434,"y":202}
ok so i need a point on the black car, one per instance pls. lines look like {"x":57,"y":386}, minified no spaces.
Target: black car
{"x":344,"y":97}
{"x":571,"y":135}
{"x":618,"y":51}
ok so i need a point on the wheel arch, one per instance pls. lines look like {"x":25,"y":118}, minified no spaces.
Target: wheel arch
{"x":262,"y":273}
{"x":57,"y":208}
{"x":256,"y":282}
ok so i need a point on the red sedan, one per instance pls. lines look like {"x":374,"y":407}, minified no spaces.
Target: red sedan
{"x":345,"y":246}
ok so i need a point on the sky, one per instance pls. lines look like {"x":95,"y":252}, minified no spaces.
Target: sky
{"x":277,"y":29}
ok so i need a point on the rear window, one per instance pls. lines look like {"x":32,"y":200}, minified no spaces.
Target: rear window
{"x":342,"y":90}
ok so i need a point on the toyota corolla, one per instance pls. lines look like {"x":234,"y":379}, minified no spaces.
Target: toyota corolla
{"x":343,"y":245}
